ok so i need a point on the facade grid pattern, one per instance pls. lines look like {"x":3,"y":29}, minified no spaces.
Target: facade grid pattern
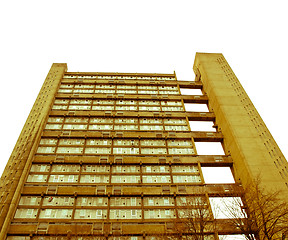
{"x":112,"y":156}
{"x":123,"y":193}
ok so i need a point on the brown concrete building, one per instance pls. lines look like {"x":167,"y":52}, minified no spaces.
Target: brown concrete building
{"x":113,"y":155}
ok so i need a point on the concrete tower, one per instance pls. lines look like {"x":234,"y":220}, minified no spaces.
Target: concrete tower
{"x":114,"y":155}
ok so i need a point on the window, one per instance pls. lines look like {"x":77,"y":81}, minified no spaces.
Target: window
{"x":232,"y":237}
{"x":96,"y":168}
{"x":80,"y":101}
{"x":97,"y":150}
{"x":104,"y":91}
{"x":126,"y":102}
{"x":155,"y":169}
{"x":176,"y":121}
{"x":59,"y":107}
{"x":181,"y":151}
{"x":149,"y":108}
{"x":125,"y":214}
{"x":58,"y":201}
{"x":156,"y":179}
{"x":84,"y":86}
{"x":123,"y":150}
{"x":126,"y":120}
{"x":66,"y":86}
{"x":26,"y":213}
{"x":53,"y":126}
{"x":64,"y":90}
{"x":63,"y":178}
{"x":166,"y":201}
{"x":101,"y":127}
{"x":101,"y":120}
{"x":146,"y":142}
{"x":29,"y":200}
{"x":146,"y":102}
{"x":40,"y":168}
{"x":102,"y":108}
{"x":19,"y":238}
{"x":134,"y":213}
{"x":94,"y":179}
{"x":56,"y":119}
{"x":174,"y":88}
{"x":148,"y":169}
{"x":153,"y":151}
{"x":192,"y":201}
{"x":105,"y":86}
{"x":173,"y":109}
{"x":71,"y":141}
{"x":76,"y":120}
{"x":67,"y":150}
{"x":179,"y":143}
{"x":123,"y":142}
{"x":37,"y":178}
{"x":46,"y":150}
{"x":147,"y":92}
{"x":125,"y":127}
{"x":65,"y":168}
{"x":158,"y":201}
{"x":126,"y":108}
{"x":126,"y":169}
{"x":151,"y":127}
{"x":126,"y":91}
{"x":105,"y":142}
{"x":147,"y":87}
{"x":125,"y":201}
{"x":90,"y":214}
{"x":159,"y":213}
{"x":176,"y":128}
{"x":150,"y":120}
{"x":171,"y":103}
{"x":74,"y":127}
{"x":184,"y":168}
{"x":125,"y":179}
{"x":169,"y":92}
{"x":92,"y":201}
{"x":186,"y":179}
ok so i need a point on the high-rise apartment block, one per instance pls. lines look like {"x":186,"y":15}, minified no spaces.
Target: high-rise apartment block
{"x":114,"y":155}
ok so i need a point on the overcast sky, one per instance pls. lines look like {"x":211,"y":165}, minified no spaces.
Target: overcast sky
{"x":141,"y":36}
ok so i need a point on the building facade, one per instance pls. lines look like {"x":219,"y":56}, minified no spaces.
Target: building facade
{"x":113,"y":155}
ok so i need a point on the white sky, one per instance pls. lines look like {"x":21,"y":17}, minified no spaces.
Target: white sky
{"x":141,"y":36}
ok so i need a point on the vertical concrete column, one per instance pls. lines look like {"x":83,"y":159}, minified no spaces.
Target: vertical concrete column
{"x":19,"y":163}
{"x":246,"y":137}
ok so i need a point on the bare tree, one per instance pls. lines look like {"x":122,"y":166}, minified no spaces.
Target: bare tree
{"x":195,"y":220}
{"x":263,"y":214}
{"x":232,"y":208}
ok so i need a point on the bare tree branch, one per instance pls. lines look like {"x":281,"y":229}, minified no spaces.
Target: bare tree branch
{"x":264,"y":215}
{"x":195,"y":219}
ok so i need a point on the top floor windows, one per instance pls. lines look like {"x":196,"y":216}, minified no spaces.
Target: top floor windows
{"x":117,"y":89}
{"x":119,"y":77}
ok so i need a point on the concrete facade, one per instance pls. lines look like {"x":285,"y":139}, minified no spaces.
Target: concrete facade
{"x":113,"y":155}
{"x":246,"y":137}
